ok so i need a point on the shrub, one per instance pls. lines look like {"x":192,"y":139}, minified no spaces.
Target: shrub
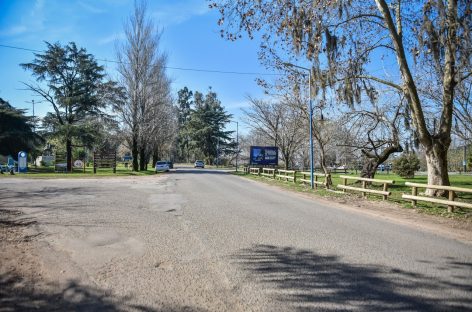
{"x":406,"y":165}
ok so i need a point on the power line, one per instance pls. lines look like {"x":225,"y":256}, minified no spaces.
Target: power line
{"x":167,"y":67}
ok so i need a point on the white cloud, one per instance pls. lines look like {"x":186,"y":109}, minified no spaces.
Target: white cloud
{"x":32,"y":21}
{"x":90,"y":8}
{"x":111,"y":38}
{"x":177,"y":13}
{"x":13,"y":31}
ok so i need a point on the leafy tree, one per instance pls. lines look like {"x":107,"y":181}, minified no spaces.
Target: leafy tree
{"x":184,"y":103}
{"x":406,"y":165}
{"x":206,"y":126}
{"x":16,"y":130}
{"x":342,"y":41}
{"x":74,"y":84}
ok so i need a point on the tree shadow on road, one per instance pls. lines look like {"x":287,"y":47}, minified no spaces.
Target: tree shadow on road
{"x":16,"y":294}
{"x":312,"y":282}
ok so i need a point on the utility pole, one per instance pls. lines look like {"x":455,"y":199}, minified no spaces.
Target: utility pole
{"x":34,"y":119}
{"x":465,"y":157}
{"x":237,"y":144}
{"x":312,"y":168}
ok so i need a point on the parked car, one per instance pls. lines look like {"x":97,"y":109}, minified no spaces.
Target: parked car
{"x":199,"y":164}
{"x":162,"y":166}
{"x":170,"y":163}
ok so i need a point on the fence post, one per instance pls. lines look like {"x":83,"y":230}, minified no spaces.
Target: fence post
{"x":345,"y":183}
{"x":385,"y":189}
{"x":451,"y":198}
{"x":414,"y":192}
{"x":364,"y":184}
{"x":294,"y":176}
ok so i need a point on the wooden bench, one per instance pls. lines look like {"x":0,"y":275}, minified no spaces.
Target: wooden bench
{"x":268,"y":172}
{"x":255,"y":171}
{"x":450,"y":202}
{"x":307,"y":178}
{"x":287,"y":175}
{"x":246,"y":170}
{"x":385,"y":193}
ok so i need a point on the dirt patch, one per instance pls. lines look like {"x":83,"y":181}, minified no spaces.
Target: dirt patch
{"x":26,"y":286}
{"x":19,"y":268}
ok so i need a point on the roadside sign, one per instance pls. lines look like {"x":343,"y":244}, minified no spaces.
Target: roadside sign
{"x":264,"y":155}
{"x":22,"y":162}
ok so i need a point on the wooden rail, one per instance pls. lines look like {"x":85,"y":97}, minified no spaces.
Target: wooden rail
{"x":385,"y":193}
{"x":307,"y":176}
{"x":450,"y":202}
{"x":287,"y":175}
{"x":268,"y":172}
{"x":255,"y":171}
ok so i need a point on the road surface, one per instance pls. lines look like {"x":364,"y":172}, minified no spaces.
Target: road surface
{"x":205,"y":240}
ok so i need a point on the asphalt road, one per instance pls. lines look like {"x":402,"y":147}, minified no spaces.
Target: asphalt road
{"x":204,"y":240}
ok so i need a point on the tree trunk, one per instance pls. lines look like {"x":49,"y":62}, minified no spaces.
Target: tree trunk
{"x":329,"y":182}
{"x":155,"y":157}
{"x":69,"y":155}
{"x":436,"y":161}
{"x":142,"y":159}
{"x":369,"y":168}
{"x":135,"y":153}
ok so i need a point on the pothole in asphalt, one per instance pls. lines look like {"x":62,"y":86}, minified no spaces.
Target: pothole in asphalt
{"x":164,"y":265}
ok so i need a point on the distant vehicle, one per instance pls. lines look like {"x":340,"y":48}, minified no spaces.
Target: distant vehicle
{"x":162,"y":166}
{"x":171,"y":164}
{"x":127,"y":158}
{"x":199,"y":164}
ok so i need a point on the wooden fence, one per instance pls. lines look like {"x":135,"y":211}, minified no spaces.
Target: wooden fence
{"x":268,"y":172}
{"x":287,"y":175}
{"x":385,"y":193}
{"x":291,"y":175}
{"x":255,"y":171}
{"x":450,"y":202}
{"x":307,"y":178}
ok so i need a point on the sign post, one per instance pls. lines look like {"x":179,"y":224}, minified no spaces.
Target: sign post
{"x":22,"y":162}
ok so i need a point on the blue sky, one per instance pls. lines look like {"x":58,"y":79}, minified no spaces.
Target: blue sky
{"x":191,"y":40}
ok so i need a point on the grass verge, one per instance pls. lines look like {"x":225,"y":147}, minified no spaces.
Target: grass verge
{"x":397,"y":190}
{"x":48,"y":172}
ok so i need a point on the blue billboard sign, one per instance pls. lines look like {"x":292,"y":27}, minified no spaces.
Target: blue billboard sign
{"x":22,"y":162}
{"x":264,"y":155}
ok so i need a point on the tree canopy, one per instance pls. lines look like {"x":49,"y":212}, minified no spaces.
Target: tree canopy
{"x":16,"y":130}
{"x":74,"y":84}
{"x":429,"y":45}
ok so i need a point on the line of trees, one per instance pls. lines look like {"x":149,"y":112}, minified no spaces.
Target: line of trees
{"x":92,"y":111}
{"x":202,"y":121}
{"x":428,"y":43}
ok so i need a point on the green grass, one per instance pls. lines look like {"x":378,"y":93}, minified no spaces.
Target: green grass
{"x":48,"y":172}
{"x":397,"y":189}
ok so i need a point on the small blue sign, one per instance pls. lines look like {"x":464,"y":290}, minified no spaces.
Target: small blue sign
{"x":22,"y":162}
